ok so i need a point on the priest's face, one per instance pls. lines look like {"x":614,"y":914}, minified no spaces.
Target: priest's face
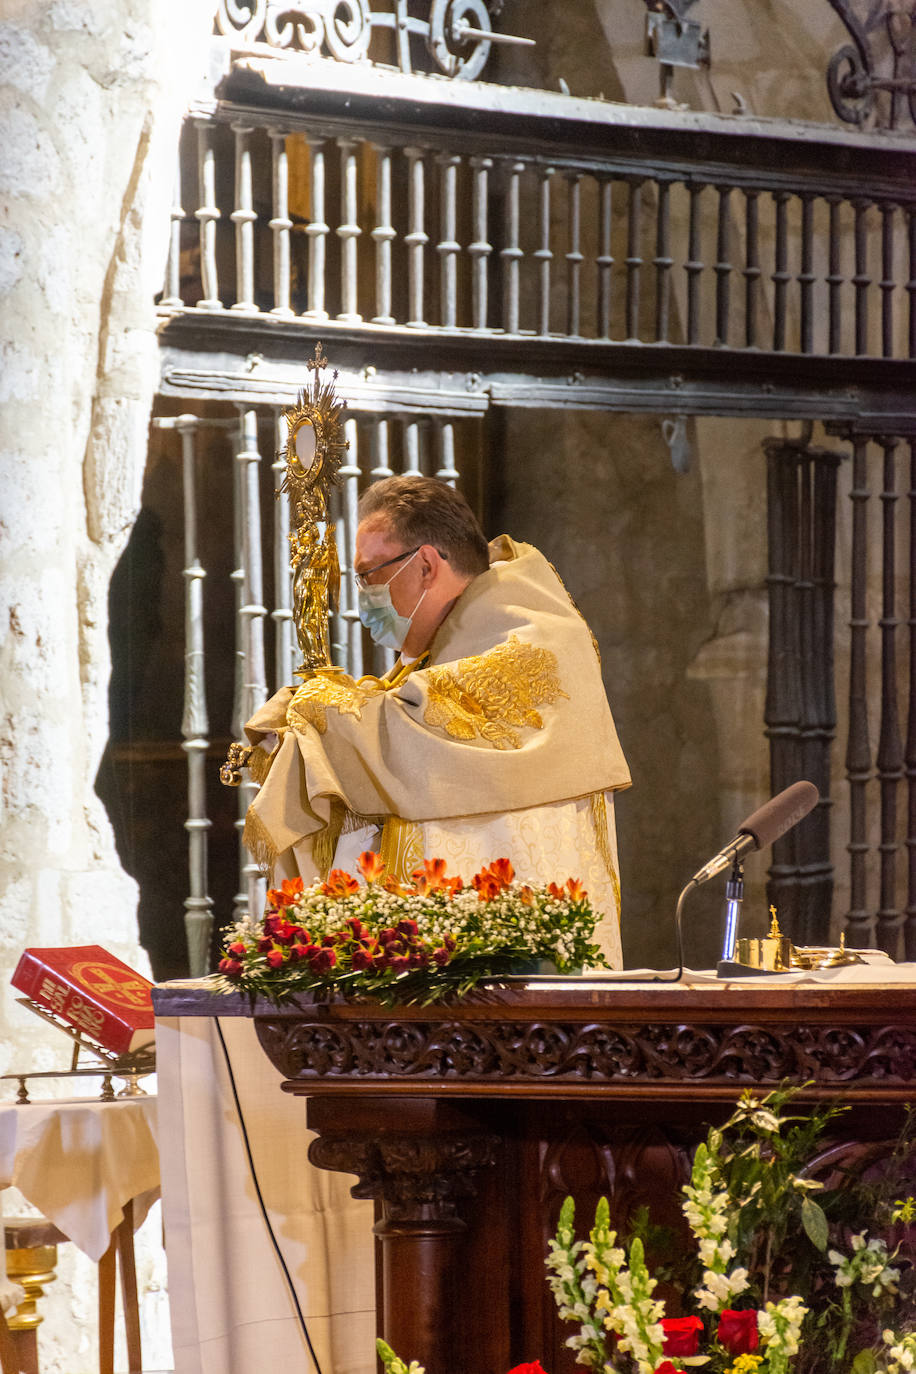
{"x":375,"y":545}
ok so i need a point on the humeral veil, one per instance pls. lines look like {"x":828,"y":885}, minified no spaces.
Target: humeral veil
{"x":498,"y":741}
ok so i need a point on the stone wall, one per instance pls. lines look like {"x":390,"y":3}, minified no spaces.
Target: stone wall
{"x":91,"y":94}
{"x":667,"y":565}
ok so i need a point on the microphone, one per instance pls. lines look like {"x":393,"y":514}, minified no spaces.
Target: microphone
{"x":768,"y":823}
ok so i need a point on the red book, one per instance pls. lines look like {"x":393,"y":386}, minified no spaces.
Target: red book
{"x":92,"y":991}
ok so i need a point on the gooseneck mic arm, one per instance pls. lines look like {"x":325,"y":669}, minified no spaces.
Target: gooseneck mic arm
{"x":768,"y":823}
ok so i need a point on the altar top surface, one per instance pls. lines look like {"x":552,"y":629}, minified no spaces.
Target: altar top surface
{"x":565,"y":1039}
{"x":861,"y":991}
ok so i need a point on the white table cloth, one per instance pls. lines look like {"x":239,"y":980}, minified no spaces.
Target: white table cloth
{"x":231,"y":1309}
{"x":79,"y":1162}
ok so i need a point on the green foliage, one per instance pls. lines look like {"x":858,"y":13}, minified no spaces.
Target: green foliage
{"x":805,"y":1252}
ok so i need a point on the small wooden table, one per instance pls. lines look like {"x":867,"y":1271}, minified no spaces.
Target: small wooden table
{"x":468,"y":1125}
{"x":92,"y":1170}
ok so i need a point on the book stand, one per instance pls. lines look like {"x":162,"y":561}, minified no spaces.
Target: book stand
{"x":130,"y":1067}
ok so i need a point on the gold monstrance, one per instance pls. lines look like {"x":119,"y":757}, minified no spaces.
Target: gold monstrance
{"x":314,"y":451}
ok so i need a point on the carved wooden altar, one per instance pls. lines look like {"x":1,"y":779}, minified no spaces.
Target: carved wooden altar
{"x":468,"y":1125}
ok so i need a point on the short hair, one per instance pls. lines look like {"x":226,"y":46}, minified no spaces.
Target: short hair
{"x":423,"y":510}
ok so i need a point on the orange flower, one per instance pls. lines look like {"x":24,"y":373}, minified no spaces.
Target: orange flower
{"x":502,"y":871}
{"x":487,"y":886}
{"x":371,"y":866}
{"x":577,"y":892}
{"x":339,"y":884}
{"x":526,"y":895}
{"x":555,"y":891}
{"x":431,"y":877}
{"x":286,"y":894}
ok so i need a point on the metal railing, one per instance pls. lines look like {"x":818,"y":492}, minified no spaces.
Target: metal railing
{"x":768,"y":245}
{"x":264,"y":654}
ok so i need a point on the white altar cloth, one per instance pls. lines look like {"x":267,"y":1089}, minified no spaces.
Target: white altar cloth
{"x":80,"y":1161}
{"x":231,"y":1309}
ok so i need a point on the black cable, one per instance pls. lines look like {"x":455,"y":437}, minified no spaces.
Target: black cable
{"x":631,"y":977}
{"x":257,"y":1188}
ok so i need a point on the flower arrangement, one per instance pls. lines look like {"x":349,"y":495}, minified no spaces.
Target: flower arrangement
{"x":403,"y":943}
{"x":392,"y":1364}
{"x":785,"y":1277}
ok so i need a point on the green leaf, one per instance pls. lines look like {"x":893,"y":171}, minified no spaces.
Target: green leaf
{"x":864,"y":1363}
{"x":814,"y":1222}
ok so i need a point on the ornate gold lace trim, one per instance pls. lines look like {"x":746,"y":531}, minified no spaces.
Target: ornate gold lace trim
{"x":572,"y":603}
{"x":597,"y":806}
{"x":401,"y":847}
{"x":259,"y":762}
{"x":494,"y":694}
{"x":331,"y":687}
{"x":328,"y":688}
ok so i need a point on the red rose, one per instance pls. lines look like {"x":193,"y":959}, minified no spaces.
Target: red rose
{"x":738,"y":1331}
{"x":276,"y":958}
{"x":237,"y":949}
{"x":231,"y":967}
{"x":682,"y":1335}
{"x":533,"y":1368}
{"x":666,"y":1367}
{"x":323,"y":960}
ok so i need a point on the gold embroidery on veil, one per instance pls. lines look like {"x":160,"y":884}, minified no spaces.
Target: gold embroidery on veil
{"x":494,"y":694}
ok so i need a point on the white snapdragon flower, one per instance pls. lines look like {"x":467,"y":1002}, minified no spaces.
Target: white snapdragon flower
{"x":868,"y":1265}
{"x":779,"y":1326}
{"x":901,"y":1351}
{"x":718,"y":1289}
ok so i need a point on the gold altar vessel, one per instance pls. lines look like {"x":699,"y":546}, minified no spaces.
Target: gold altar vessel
{"x":314,"y":451}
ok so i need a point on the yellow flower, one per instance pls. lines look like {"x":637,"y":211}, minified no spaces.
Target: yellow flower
{"x":745,"y":1364}
{"x":905,"y":1209}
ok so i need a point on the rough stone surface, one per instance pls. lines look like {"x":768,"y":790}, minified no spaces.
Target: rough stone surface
{"x":91,"y":95}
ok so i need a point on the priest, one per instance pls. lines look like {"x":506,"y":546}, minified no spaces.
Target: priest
{"x":491,"y":737}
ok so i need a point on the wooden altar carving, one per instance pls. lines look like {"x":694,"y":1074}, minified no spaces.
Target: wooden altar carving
{"x":468,"y":1125}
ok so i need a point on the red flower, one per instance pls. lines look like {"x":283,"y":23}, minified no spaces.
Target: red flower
{"x":666,"y":1367}
{"x":231,"y":967}
{"x":533,"y":1368}
{"x":323,"y":960}
{"x":237,"y":948}
{"x":738,"y":1331}
{"x":276,"y":958}
{"x":370,"y":865}
{"x":682,"y":1335}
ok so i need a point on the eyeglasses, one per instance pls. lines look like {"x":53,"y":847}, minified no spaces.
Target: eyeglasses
{"x":398,"y":558}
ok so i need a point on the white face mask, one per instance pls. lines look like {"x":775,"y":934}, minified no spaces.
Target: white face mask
{"x":376,"y":611}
